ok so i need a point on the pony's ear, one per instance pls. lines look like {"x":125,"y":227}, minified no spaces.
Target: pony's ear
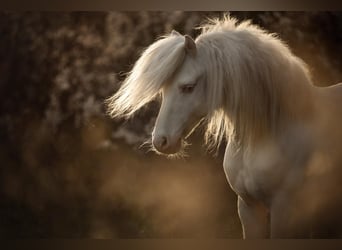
{"x":190,"y":45}
{"x":175,"y":33}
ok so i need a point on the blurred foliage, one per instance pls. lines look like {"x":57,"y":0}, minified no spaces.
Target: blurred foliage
{"x":70,"y":171}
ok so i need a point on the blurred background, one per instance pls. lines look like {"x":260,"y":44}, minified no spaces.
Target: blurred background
{"x":68,"y":170}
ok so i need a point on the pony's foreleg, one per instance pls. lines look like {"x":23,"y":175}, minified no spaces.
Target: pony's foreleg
{"x":286,"y":219}
{"x":254,"y":219}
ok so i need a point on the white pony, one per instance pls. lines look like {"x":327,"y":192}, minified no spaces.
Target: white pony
{"x":283,"y":135}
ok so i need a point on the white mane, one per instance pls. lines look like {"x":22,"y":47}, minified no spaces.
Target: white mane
{"x":249,"y":85}
{"x":248,"y":88}
{"x":155,"y":66}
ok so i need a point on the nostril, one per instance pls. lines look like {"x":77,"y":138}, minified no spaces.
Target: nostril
{"x":163,"y":142}
{"x":160,"y":142}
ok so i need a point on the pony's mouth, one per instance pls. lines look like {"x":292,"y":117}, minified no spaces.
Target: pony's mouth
{"x":176,"y":151}
{"x":171,"y":147}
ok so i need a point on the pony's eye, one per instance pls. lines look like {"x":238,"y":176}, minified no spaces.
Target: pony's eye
{"x":186,"y":89}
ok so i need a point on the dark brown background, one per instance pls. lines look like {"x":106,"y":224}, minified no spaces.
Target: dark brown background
{"x":67,"y":170}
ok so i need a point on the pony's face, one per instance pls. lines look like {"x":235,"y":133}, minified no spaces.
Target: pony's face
{"x":183,"y":106}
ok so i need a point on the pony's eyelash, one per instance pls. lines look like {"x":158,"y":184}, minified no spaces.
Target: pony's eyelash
{"x":187,"y":88}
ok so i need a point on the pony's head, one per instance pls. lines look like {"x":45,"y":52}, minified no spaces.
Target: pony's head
{"x":183,"y":102}
{"x":169,"y":67}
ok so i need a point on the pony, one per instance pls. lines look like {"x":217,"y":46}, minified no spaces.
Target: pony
{"x":282,"y":133}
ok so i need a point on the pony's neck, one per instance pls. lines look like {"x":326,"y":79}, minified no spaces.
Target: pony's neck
{"x":291,"y":106}
{"x":299,"y":94}
{"x":263,"y":85}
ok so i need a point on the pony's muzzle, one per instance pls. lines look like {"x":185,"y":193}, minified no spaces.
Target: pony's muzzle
{"x":160,"y":143}
{"x":163,"y":145}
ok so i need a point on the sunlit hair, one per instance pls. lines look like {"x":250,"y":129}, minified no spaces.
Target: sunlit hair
{"x":248,"y":90}
{"x":155,"y":66}
{"x":248,"y":83}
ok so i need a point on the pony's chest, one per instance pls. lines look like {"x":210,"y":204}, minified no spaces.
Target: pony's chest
{"x":255,"y":176}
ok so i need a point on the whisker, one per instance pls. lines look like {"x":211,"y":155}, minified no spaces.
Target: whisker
{"x":147,"y":145}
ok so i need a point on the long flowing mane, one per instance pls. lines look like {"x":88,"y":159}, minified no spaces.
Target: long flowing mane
{"x":250,"y":74}
{"x":255,"y":72}
{"x":155,"y":66}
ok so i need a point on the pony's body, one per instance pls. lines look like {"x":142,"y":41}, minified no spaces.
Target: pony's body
{"x":283,"y":134}
{"x":288,"y":184}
